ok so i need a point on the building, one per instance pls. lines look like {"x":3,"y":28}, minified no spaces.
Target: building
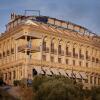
{"x":42,"y":45}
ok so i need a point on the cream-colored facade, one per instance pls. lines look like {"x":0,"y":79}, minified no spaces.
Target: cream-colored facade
{"x":43,"y":45}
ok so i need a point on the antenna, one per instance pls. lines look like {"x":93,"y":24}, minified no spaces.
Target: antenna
{"x":32,"y":11}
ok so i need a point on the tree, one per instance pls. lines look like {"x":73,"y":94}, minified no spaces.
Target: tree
{"x":56,"y":88}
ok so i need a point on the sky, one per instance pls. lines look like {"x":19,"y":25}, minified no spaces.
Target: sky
{"x":82,"y":12}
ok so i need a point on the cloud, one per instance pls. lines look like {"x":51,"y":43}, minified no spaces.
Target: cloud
{"x":83,"y":12}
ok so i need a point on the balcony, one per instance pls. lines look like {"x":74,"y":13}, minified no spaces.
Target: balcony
{"x":31,"y":48}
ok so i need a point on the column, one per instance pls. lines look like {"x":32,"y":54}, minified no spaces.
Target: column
{"x":26,"y":69}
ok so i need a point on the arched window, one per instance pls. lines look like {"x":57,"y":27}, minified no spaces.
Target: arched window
{"x":52,"y":46}
{"x":73,"y":52}
{"x":44,"y":45}
{"x":67,"y":50}
{"x":59,"y":49}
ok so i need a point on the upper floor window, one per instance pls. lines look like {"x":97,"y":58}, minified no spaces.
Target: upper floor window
{"x":67,"y":61}
{"x":87,"y":64}
{"x":52,"y":47}
{"x":67,"y":50}
{"x":73,"y":51}
{"x":44,"y":45}
{"x":80,"y":63}
{"x":44,"y":57}
{"x":59,"y":49}
{"x":52,"y":59}
{"x":74,"y":62}
{"x":59,"y":60}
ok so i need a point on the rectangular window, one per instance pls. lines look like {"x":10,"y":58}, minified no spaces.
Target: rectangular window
{"x":67,"y":61}
{"x":73,"y":52}
{"x":95,"y":80}
{"x":87,"y":64}
{"x":59,"y":49}
{"x":73,"y":62}
{"x":67,"y":50}
{"x":59,"y":60}
{"x":52,"y":59}
{"x":44,"y":57}
{"x":9,"y":75}
{"x":80,"y":63}
{"x":44,"y":46}
{"x":5,"y":76}
{"x":98,"y":81}
{"x":91,"y":79}
{"x":14,"y":74}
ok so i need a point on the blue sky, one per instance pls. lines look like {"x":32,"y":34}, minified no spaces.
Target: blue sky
{"x":82,"y":12}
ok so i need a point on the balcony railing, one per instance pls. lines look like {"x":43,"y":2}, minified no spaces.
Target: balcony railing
{"x":32,"y":48}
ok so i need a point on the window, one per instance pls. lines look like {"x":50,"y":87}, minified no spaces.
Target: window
{"x":67,"y":49}
{"x":87,"y":64}
{"x":97,"y":60}
{"x":80,"y":63}
{"x":86,"y":54}
{"x":52,"y":59}
{"x":59,"y":60}
{"x":73,"y":62}
{"x":59,"y":49}
{"x":29,"y":44}
{"x":44,"y":45}
{"x":0,"y":56}
{"x":14,"y":74}
{"x":4,"y":54}
{"x":91,"y":79}
{"x":44,"y":57}
{"x":52,"y":47}
{"x":80,"y":52}
{"x":95,"y":80}
{"x":5,"y":76}
{"x":98,"y":81}
{"x":9,"y":75}
{"x":73,"y":51}
{"x":86,"y":80}
{"x":67,"y":61}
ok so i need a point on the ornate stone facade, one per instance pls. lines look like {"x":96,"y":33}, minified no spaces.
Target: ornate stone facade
{"x":43,"y":45}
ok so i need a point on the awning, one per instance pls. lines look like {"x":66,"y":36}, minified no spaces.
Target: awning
{"x":63,"y":73}
{"x":69,"y":72}
{"x":83,"y":74}
{"x":55,"y":71}
{"x":39,"y":70}
{"x":47,"y":70}
{"x":77,"y":75}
